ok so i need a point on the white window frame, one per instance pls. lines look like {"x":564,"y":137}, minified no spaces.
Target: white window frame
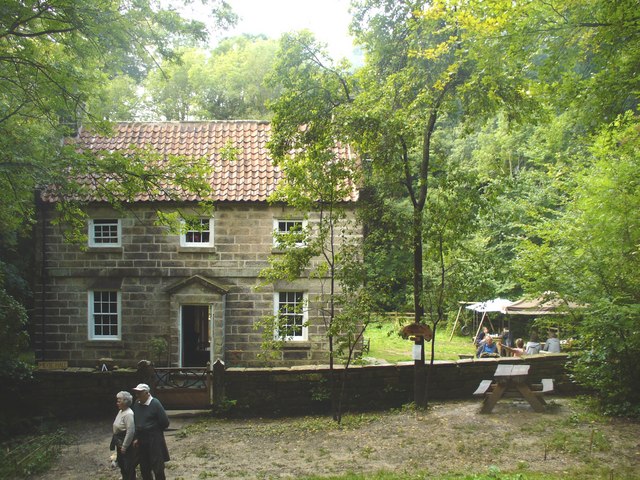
{"x":304,"y":335}
{"x":276,"y":229}
{"x":94,"y":223}
{"x":92,"y":314}
{"x":184,"y":236}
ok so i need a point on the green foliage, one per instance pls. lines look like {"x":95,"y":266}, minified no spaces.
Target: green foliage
{"x":197,"y":427}
{"x":227,"y":82}
{"x":57,"y":61}
{"x":589,"y":250}
{"x":319,"y":181}
{"x":29,"y":455}
{"x":432,"y":70}
{"x":14,"y":339}
{"x":159,"y":347}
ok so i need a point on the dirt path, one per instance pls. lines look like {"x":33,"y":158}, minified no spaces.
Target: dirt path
{"x":451,"y":437}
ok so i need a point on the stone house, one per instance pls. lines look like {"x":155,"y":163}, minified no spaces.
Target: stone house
{"x":134,"y":284}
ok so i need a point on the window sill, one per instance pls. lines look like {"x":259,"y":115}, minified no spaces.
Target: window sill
{"x":97,"y":343}
{"x":185,"y":249}
{"x":296,"y":344}
{"x":104,"y":250}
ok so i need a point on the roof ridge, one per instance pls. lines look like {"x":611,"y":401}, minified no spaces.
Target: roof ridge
{"x":183,"y":122}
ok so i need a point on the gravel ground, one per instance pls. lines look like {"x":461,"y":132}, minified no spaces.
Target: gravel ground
{"x":450,"y":437}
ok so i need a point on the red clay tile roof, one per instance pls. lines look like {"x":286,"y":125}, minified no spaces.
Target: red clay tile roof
{"x":251,"y":176}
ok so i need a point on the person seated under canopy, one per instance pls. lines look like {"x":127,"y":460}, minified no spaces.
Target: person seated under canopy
{"x":488,"y":348}
{"x":552,"y":345}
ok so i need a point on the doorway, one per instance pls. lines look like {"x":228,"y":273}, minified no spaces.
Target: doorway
{"x":196,"y":336}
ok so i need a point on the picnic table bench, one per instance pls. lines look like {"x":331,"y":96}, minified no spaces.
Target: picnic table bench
{"x":512,"y":380}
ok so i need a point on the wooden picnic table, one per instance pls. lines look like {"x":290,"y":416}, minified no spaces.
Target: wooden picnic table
{"x":512,"y":378}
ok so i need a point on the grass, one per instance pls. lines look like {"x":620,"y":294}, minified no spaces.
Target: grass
{"x":385,"y":343}
{"x":28,"y":455}
{"x":493,"y":473}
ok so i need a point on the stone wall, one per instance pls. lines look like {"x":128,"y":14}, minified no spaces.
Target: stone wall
{"x":300,"y":390}
{"x":145,"y":269}
{"x":75,"y":393}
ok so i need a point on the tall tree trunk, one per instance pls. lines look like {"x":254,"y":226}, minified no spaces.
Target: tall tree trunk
{"x":419,"y":390}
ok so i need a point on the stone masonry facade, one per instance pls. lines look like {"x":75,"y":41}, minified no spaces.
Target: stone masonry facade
{"x":155,"y":276}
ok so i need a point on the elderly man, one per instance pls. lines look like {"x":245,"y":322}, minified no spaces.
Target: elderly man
{"x":151,"y":420}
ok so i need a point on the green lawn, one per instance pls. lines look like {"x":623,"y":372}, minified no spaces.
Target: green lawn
{"x":385,"y":343}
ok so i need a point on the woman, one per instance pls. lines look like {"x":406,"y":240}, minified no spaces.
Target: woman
{"x":533,"y":345}
{"x":123,"y":431}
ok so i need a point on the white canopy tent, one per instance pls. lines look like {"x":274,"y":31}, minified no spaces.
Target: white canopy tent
{"x":496,"y":305}
{"x":547,"y":304}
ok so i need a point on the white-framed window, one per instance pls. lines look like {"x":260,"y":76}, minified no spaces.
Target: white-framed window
{"x":294,"y":230}
{"x":290,"y":310}
{"x":197,"y":232}
{"x":104,"y":315}
{"x":104,"y":232}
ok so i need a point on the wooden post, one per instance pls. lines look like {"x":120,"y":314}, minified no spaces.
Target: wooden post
{"x":479,"y":326}
{"x":419,"y":381}
{"x":455,"y":324}
{"x":418,"y":332}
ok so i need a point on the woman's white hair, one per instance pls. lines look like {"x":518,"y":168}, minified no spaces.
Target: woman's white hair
{"x":126,"y":397}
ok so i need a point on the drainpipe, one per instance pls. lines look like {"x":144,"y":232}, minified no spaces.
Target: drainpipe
{"x":43,"y":274}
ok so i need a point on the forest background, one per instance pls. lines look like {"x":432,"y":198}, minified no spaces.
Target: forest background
{"x":499,"y":143}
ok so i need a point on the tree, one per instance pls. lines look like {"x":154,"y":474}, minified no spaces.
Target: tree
{"x":233,"y":85}
{"x":172,"y":88}
{"x":319,"y":177}
{"x":589,"y":251}
{"x":560,"y":202}
{"x":227,"y":82}
{"x":55,"y":55}
{"x":426,"y":64}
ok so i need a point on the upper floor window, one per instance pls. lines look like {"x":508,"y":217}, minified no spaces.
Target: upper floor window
{"x":104,"y":232}
{"x":104,"y":315}
{"x":197,"y":233}
{"x":289,"y":233}
{"x":291,"y":314}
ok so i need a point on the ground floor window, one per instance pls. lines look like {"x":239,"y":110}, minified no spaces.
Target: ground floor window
{"x":291,"y":314}
{"x":104,"y":315}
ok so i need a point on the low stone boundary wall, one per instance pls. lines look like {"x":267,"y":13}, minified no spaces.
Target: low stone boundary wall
{"x":301,"y":390}
{"x":75,"y":393}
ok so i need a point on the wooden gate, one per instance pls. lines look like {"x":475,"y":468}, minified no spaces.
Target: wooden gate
{"x":188,"y":388}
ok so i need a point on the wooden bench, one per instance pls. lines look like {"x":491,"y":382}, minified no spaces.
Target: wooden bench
{"x":546,"y":386}
{"x":539,"y":389}
{"x":483,"y":388}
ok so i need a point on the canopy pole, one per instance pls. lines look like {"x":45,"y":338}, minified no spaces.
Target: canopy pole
{"x":484,"y":314}
{"x":493,"y":329}
{"x":455,"y":324}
